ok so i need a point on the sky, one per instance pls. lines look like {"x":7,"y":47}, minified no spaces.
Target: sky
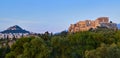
{"x":54,"y":15}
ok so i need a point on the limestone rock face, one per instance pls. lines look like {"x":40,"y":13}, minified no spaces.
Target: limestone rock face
{"x":88,"y":24}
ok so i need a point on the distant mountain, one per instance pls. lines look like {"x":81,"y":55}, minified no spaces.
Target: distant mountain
{"x":15,"y":29}
{"x":118,"y":25}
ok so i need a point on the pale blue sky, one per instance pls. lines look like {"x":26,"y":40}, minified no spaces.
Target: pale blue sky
{"x":54,"y":15}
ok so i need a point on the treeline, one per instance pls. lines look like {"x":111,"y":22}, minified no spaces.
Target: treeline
{"x":89,"y":44}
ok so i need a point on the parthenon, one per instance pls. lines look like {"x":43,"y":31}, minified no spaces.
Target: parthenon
{"x":88,"y":24}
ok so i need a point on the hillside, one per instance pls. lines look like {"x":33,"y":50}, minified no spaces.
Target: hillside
{"x":118,"y":26}
{"x":15,"y":29}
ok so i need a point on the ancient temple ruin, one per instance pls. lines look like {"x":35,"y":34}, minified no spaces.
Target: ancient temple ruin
{"x":88,"y":24}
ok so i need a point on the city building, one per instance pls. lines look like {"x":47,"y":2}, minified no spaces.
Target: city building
{"x":13,"y":32}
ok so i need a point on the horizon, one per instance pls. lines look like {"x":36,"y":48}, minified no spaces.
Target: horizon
{"x":54,"y":16}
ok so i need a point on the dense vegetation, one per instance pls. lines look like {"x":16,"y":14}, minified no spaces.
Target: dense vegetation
{"x":4,"y":48}
{"x":89,"y":44}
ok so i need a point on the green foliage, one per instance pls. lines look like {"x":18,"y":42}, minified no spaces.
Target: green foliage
{"x":31,"y":47}
{"x":4,"y":48}
{"x":104,"y":51}
{"x":60,"y":47}
{"x":90,"y":44}
{"x":10,"y":55}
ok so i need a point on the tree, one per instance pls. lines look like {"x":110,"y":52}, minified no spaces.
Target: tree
{"x":104,"y":51}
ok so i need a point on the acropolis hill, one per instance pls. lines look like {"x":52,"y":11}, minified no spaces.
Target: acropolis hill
{"x":90,"y":24}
